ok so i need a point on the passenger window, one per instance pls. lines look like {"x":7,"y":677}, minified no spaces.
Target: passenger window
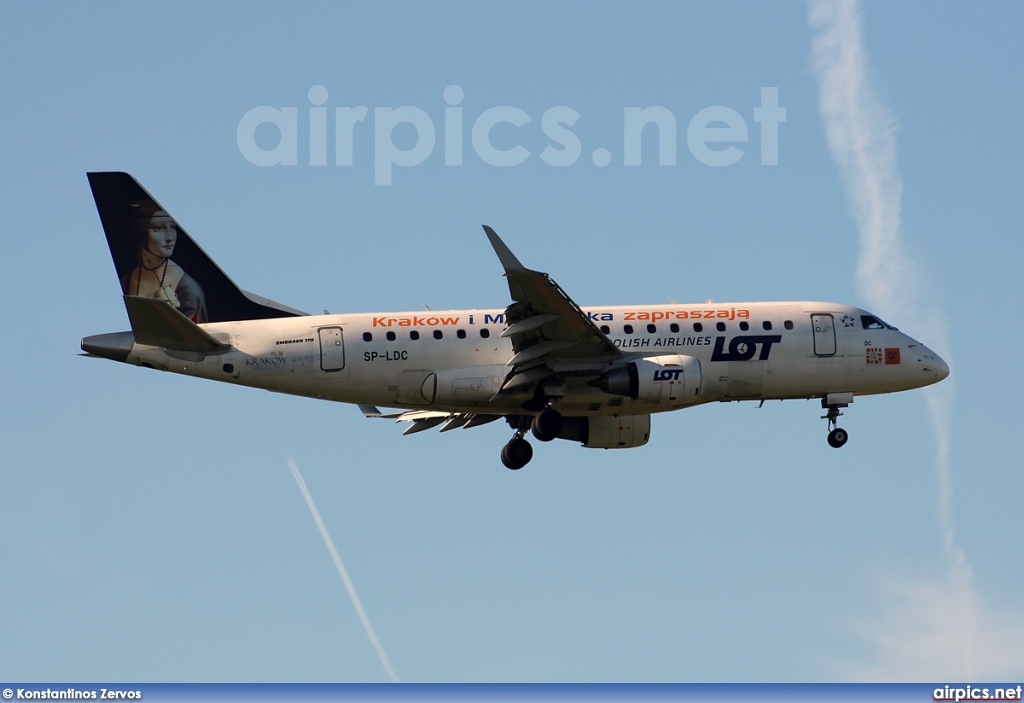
{"x":767,"y":325}
{"x":698,"y":327}
{"x":485,"y":333}
{"x":721,"y":326}
{"x":390,"y":336}
{"x":788,"y":324}
{"x":414,"y":335}
{"x":744,"y":326}
{"x":461,"y":334}
{"x":628,"y":329}
{"x":438,"y":334}
{"x":605,"y":329}
{"x":674,"y":327}
{"x":367,"y":337}
{"x":652,"y":329}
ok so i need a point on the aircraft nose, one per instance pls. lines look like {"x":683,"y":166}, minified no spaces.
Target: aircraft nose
{"x":934,"y":364}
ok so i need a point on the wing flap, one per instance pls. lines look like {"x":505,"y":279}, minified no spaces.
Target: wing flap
{"x":528,"y":325}
{"x":527,"y":377}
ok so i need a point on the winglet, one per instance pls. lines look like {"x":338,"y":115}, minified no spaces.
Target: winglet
{"x":505,"y":256}
{"x":157,"y":323}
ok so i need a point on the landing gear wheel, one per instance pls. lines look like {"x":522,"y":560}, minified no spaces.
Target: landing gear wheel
{"x":516,"y":454}
{"x":547,"y":424}
{"x":837,"y":437}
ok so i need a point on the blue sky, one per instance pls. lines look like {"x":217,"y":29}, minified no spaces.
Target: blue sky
{"x":151,"y":528}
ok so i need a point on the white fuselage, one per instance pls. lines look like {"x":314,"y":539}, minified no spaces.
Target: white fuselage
{"x":456,"y":360}
{"x":543,"y":364}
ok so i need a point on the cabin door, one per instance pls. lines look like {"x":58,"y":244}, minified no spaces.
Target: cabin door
{"x":332,"y":349}
{"x":824,"y":335}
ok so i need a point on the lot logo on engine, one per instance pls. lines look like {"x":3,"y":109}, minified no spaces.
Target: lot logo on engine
{"x":668,"y":375}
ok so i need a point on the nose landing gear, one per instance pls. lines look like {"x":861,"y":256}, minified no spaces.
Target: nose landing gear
{"x":837,"y":436}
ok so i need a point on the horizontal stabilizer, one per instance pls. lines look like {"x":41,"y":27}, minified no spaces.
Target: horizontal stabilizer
{"x":420,"y":420}
{"x":156,"y":323}
{"x":456,"y":421}
{"x":423,"y":423}
{"x":478,"y":420}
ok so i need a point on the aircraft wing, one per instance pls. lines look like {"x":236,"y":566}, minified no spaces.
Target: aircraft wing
{"x":546,"y":327}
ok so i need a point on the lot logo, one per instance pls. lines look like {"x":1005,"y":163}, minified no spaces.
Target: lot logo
{"x":668,"y":375}
{"x":744,"y":347}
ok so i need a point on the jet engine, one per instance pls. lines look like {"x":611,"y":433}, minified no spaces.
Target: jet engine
{"x":670,"y":379}
{"x":608,"y":431}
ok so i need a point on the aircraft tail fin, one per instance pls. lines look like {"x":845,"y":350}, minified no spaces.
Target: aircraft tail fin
{"x":156,"y":258}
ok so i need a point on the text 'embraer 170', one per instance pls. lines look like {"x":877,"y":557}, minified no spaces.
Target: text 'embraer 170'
{"x":543,"y":364}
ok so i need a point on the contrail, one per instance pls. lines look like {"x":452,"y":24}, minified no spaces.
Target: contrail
{"x":341,"y":570}
{"x":861,"y":137}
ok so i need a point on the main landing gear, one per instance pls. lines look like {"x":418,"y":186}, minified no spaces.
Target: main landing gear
{"x":517,"y":453}
{"x":837,"y":436}
{"x":545,"y":426}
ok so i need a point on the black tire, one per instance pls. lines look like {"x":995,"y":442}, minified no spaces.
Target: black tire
{"x":516,"y":454}
{"x":838,"y":437}
{"x":547,"y":425}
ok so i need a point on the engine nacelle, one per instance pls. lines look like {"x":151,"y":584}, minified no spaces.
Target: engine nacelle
{"x":608,"y":431}
{"x":671,"y":379}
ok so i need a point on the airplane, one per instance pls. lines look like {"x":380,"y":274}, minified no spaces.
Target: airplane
{"x":543,"y":364}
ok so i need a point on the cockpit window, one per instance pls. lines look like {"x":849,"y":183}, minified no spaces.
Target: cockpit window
{"x":870,"y":322}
